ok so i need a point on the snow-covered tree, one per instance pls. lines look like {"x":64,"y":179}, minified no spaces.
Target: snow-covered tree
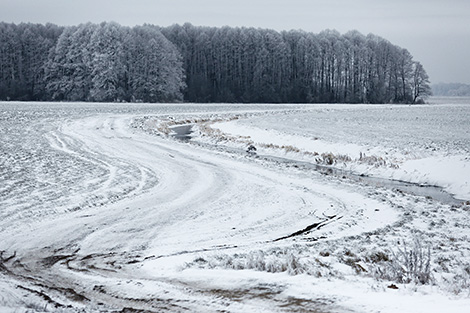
{"x":107,"y":63}
{"x":60,"y":68}
{"x":155,"y":70}
{"x":421,"y":88}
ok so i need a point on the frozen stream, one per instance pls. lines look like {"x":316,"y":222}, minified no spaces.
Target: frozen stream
{"x":98,"y":216}
{"x":184,"y":132}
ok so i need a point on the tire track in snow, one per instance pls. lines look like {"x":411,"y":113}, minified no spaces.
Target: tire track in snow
{"x":175,"y":199}
{"x":216,"y":202}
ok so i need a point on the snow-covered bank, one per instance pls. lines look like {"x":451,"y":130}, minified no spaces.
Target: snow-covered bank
{"x":435,"y":163}
{"x":450,"y":172}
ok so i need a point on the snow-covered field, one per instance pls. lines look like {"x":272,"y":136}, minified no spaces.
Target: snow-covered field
{"x":102,"y":210}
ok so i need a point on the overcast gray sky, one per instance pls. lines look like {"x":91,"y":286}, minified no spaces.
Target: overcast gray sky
{"x":436,"y":32}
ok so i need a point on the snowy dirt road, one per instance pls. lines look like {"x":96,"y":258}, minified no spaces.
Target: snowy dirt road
{"x":98,"y":215}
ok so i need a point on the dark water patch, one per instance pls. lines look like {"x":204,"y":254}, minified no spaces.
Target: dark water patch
{"x":182,"y":132}
{"x":428,"y":191}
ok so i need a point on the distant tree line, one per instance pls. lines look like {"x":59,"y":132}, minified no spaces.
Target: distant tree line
{"x":451,"y":90}
{"x":110,"y":62}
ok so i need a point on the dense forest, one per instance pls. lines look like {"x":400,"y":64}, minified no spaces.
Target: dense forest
{"x":110,"y":62}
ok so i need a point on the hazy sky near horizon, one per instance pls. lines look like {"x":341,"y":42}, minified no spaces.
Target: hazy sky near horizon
{"x":436,"y":32}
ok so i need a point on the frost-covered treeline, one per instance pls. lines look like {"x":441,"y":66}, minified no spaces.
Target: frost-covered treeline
{"x":109,"y":62}
{"x":260,"y":65}
{"x":89,"y":62}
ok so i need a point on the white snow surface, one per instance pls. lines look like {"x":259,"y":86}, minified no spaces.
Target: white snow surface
{"x":100,"y":212}
{"x":426,"y":148}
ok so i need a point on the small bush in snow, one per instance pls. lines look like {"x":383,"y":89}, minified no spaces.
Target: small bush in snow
{"x":331,"y":159}
{"x":406,"y":264}
{"x":273,"y":261}
{"x":375,"y":161}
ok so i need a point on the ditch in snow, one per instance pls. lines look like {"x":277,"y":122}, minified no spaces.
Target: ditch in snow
{"x":183,"y":133}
